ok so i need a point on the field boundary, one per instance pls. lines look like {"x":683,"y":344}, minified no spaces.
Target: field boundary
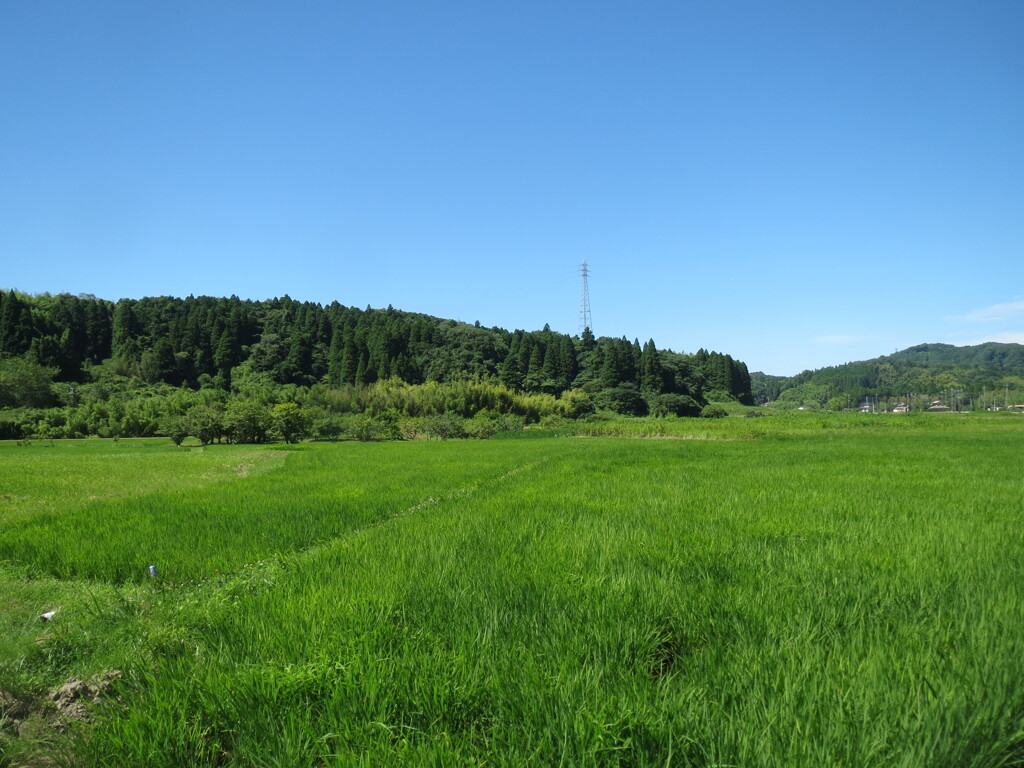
{"x":710,"y":438}
{"x":429,"y":502}
{"x":459,"y":493}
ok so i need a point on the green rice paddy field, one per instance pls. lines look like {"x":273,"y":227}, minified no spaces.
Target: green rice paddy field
{"x":788,"y":591}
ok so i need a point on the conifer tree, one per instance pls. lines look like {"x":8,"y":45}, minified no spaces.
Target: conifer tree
{"x":651,"y":371}
{"x":568,"y":364}
{"x":97,"y":330}
{"x":349,"y":357}
{"x":587,"y":341}
{"x":360,"y":376}
{"x":535,"y":369}
{"x":126,"y":330}
{"x":551,"y":368}
{"x":613,"y":368}
{"x":16,"y":330}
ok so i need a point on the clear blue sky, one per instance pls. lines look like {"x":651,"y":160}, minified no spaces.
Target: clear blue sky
{"x":797,"y":184}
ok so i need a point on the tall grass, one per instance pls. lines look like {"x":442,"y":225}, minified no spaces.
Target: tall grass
{"x":196,"y":531}
{"x":62,"y":476}
{"x":846,"y":598}
{"x":753,"y":423}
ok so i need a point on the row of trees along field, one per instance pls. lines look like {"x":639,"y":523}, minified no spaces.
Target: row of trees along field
{"x":985,"y":375}
{"x":75,"y":352}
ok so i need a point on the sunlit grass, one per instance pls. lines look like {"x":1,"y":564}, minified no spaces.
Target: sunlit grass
{"x":62,"y":476}
{"x":196,"y":529}
{"x":747,"y":423}
{"x":815,"y":597}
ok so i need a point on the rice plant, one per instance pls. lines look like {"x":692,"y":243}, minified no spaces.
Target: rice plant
{"x":814,"y":596}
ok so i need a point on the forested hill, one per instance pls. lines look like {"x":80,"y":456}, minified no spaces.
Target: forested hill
{"x":235,"y":345}
{"x":990,"y":371}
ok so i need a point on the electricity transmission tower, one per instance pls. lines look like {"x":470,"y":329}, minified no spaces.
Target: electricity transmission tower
{"x":585,"y":320}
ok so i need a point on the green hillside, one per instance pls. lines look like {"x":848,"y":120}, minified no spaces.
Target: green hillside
{"x":108,"y":367}
{"x":987,"y":375}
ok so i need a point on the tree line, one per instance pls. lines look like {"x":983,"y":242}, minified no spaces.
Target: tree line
{"x":984,"y":375}
{"x":68,"y":351}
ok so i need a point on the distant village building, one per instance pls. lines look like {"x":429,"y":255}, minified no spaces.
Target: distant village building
{"x":938,"y":405}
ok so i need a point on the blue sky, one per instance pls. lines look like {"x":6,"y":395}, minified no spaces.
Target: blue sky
{"x":798,"y":184}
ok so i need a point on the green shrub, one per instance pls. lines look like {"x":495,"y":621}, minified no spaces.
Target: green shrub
{"x":204,"y":423}
{"x":674,"y":405}
{"x":246,"y":421}
{"x":175,"y":428}
{"x":624,"y":399}
{"x":444,"y":427}
{"x":576,"y":404}
{"x":713,"y":411}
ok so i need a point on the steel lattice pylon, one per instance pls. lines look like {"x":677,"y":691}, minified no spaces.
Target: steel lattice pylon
{"x":585,"y":319}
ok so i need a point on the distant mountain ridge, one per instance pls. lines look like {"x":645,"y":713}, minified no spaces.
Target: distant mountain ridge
{"x":969,"y":373}
{"x":990,"y":354}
